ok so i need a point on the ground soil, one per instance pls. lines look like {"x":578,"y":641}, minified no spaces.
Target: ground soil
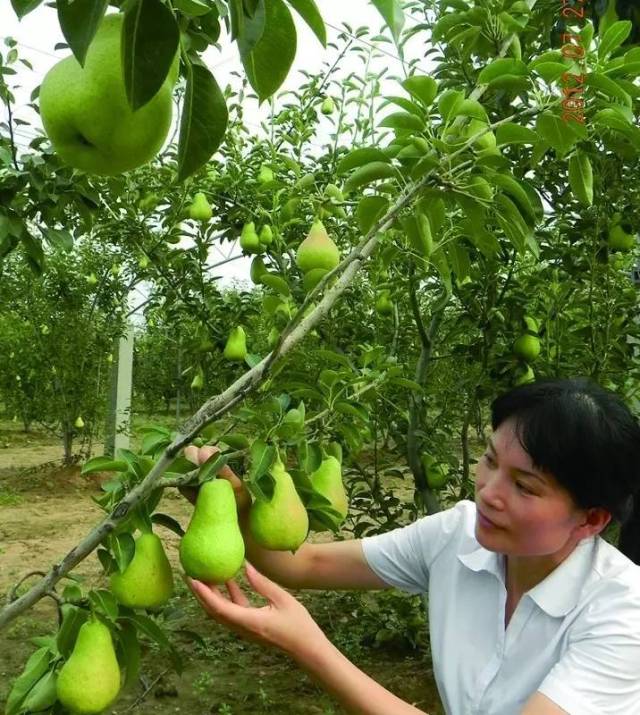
{"x":46,"y":509}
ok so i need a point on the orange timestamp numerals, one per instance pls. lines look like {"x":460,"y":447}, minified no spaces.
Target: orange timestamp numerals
{"x":572,"y":84}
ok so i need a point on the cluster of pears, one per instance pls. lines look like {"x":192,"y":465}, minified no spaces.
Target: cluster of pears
{"x":85,"y":111}
{"x":252,"y":241}
{"x":316,"y":255}
{"x":527,"y":348}
{"x":212,"y":548}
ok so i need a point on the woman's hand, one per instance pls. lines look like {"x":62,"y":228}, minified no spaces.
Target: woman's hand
{"x":284,"y":622}
{"x":199,"y":455}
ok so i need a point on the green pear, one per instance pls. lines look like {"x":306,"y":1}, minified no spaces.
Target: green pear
{"x":282,"y":523}
{"x":487,"y":142}
{"x":317,"y":250}
{"x":527,"y":347}
{"x":200,"y":210}
{"x":198,"y":379}
{"x":327,"y":106}
{"x":86,"y":114}
{"x":437,"y":474}
{"x":258,"y":269}
{"x":91,"y":279}
{"x":90,"y":679}
{"x":79,"y":423}
{"x":327,"y":481}
{"x":265,"y":176}
{"x":331,"y":191}
{"x":236,"y":347}
{"x":312,"y":278}
{"x":147,"y":582}
{"x":619,"y":239}
{"x":212,"y":549}
{"x":266,"y":235}
{"x":249,"y":239}
{"x":384,"y":304}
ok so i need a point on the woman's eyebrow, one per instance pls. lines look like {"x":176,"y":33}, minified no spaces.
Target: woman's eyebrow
{"x":518,"y":469}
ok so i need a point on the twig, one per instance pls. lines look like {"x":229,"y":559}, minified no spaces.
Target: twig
{"x":140,"y":698}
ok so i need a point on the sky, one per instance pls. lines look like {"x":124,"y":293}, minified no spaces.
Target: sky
{"x":39,"y":32}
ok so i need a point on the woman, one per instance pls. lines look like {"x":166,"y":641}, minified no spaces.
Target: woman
{"x":530,"y":611}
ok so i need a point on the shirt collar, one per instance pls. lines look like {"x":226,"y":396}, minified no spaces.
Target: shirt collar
{"x":559,"y":592}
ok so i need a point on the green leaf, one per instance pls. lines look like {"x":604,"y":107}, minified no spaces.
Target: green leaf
{"x":369,"y":210}
{"x":581,"y":178}
{"x":130,"y":650}
{"x":352,"y":409}
{"x":235,"y":440}
{"x":393,"y":14}
{"x":276,"y":282}
{"x":43,"y":694}
{"x":79,"y":20}
{"x":402,"y":121}
{"x":169,"y":522}
{"x":34,"y":252}
{"x":511,"y":222}
{"x":500,"y":67}
{"x":58,"y":238}
{"x":35,"y":668}
{"x":359,"y":157}
{"x":511,"y":133}
{"x":512,"y":186}
{"x":104,"y":602}
{"x":268,"y":63}
{"x":203,"y":123}
{"x":615,"y":35}
{"x":104,"y":464}
{"x":23,"y":7}
{"x":308,"y":11}
{"x":150,"y":41}
{"x":151,"y":629}
{"x":608,"y":86}
{"x":123,"y":548}
{"x":336,"y":358}
{"x":554,"y":131}
{"x":262,"y":456}
{"x":72,"y":619}
{"x":423,"y":88}
{"x":550,"y":71}
{"x":212,"y":466}
{"x":369,"y":173}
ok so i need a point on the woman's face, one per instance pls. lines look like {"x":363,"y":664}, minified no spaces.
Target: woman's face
{"x":532,"y":514}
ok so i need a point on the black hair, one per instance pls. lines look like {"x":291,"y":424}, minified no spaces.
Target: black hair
{"x":588,"y":439}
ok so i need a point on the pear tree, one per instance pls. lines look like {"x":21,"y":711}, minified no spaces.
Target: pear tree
{"x":451,"y":230}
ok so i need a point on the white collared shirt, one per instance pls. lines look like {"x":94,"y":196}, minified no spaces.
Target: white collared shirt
{"x":575,"y":637}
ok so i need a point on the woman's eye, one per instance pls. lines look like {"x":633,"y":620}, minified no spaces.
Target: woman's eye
{"x":489,"y":458}
{"x":523,"y":488}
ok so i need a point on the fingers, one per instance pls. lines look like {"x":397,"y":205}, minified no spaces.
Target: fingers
{"x":262,"y":585}
{"x":236,"y":594}
{"x":191,"y":453}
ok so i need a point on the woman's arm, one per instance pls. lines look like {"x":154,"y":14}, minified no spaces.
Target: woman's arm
{"x":353,"y":689}
{"x":286,"y":624}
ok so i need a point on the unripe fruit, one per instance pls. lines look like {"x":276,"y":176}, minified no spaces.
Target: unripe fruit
{"x":91,"y":279}
{"x":200,"y":210}
{"x":79,"y":423}
{"x":258,"y":269}
{"x":527,"y":347}
{"x":249,"y":241}
{"x":265,"y":176}
{"x":266,"y":235}
{"x":524,"y":375}
{"x":384,"y":304}
{"x":619,"y":239}
{"x":327,"y":106}
{"x":236,"y":347}
{"x":317,"y":250}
